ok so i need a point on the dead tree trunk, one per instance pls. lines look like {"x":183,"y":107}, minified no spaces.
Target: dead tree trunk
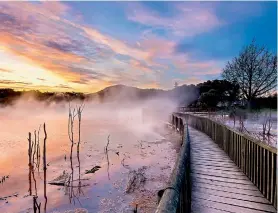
{"x":30,"y":163}
{"x":44,"y":166}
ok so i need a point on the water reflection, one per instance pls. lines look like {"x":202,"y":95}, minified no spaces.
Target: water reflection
{"x":44,"y":167}
{"x":72,"y":190}
{"x":106,"y":151}
{"x":34,"y":150}
{"x":108,"y":182}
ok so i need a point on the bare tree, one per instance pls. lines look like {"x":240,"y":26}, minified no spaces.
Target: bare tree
{"x":254,"y":70}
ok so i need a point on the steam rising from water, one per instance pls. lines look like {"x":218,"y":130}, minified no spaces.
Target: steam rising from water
{"x":126,"y":123}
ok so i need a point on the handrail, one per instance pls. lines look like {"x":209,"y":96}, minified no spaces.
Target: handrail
{"x":246,"y":136}
{"x":257,"y":160}
{"x":177,"y":196}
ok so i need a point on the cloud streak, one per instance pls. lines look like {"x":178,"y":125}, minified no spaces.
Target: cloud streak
{"x":85,"y":55}
{"x":189,"y":18}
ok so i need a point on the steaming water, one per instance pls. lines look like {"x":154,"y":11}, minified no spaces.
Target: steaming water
{"x":134,"y":144}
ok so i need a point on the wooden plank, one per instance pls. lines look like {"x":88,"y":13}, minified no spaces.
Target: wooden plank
{"x":264,"y":173}
{"x":237,"y":196}
{"x":231,"y":169}
{"x":215,"y":174}
{"x":217,"y":180}
{"x":241,"y":152}
{"x":213,"y":158}
{"x":257,"y":170}
{"x":220,"y":167}
{"x":255,"y":165}
{"x":261,"y":169}
{"x":251,"y":193}
{"x":272,"y":180}
{"x":252,"y":162}
{"x":268,"y":175}
{"x":225,"y":180}
{"x":224,"y":206}
{"x":234,"y":202}
{"x":275,"y":183}
{"x":244,"y":158}
{"x":236,"y":150}
{"x":248,"y":159}
{"x":204,"y":209}
{"x":218,"y":171}
{"x":209,"y":154}
{"x":219,"y":183}
{"x":212,"y":163}
{"x":231,"y":144}
{"x":206,"y":152}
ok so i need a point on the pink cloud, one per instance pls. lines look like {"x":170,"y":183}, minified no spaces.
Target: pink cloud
{"x":185,"y":65}
{"x":158,"y":47}
{"x":41,"y":35}
{"x":189,"y":19}
{"x":54,"y":7}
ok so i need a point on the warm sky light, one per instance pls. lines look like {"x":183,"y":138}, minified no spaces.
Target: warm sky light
{"x":86,"y":46}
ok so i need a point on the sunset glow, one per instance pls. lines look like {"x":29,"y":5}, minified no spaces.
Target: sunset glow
{"x":86,"y":46}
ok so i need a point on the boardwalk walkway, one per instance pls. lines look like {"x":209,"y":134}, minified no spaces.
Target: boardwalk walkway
{"x":218,"y":185}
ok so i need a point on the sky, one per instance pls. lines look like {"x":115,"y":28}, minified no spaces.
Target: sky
{"x":87,"y":46}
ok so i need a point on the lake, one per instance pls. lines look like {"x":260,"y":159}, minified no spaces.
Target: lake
{"x":140,"y":156}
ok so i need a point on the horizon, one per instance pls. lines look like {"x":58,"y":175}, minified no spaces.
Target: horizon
{"x":88,"y":46}
{"x":72,"y":91}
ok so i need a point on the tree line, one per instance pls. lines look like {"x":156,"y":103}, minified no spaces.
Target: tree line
{"x":9,"y":96}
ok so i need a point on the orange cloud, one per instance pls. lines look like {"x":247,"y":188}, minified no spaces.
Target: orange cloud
{"x":41,"y":55}
{"x":79,"y":55}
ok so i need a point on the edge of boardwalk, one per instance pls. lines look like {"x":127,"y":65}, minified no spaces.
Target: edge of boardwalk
{"x":177,"y":196}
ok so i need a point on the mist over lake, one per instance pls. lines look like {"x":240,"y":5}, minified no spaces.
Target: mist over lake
{"x":136,"y":141}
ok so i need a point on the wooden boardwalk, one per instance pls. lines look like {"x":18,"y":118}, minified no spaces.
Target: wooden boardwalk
{"x":218,"y":185}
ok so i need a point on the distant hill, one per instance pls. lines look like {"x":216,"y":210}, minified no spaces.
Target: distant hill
{"x":117,"y":93}
{"x":182,"y":94}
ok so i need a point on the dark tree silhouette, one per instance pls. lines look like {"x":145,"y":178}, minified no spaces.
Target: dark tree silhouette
{"x":254,"y":70}
{"x":217,"y":91}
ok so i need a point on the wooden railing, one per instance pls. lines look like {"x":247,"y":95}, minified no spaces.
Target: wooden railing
{"x":177,"y":196}
{"x":256,"y":159}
